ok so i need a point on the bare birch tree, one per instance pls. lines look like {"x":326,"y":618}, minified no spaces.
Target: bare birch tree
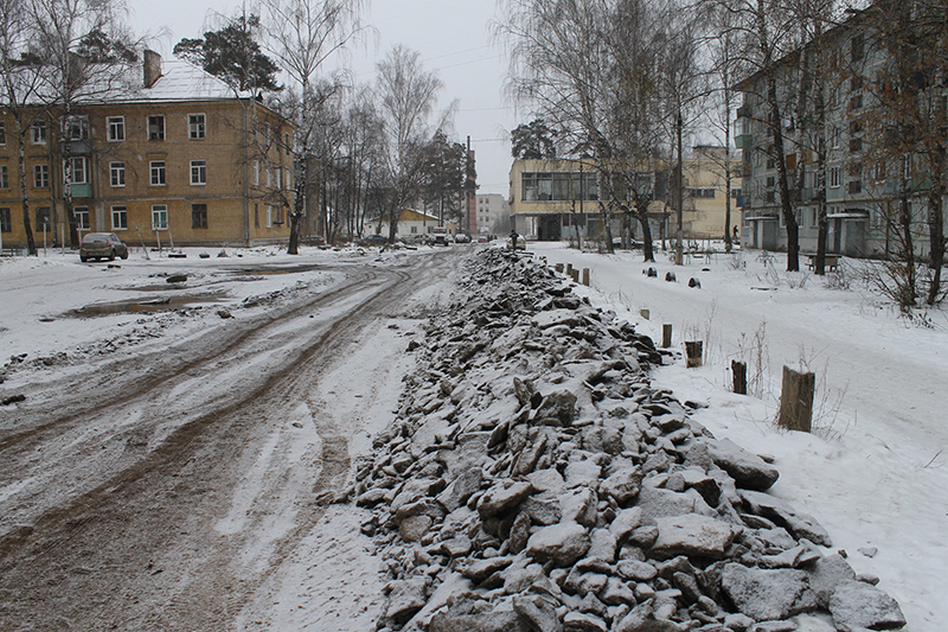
{"x":303,"y":35}
{"x":407,"y":96}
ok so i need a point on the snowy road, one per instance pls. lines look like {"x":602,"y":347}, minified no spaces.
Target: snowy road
{"x":161,"y":490}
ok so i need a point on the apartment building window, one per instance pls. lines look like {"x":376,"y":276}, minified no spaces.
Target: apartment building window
{"x":41,"y":176}
{"x":156,"y":128}
{"x":199,"y":216}
{"x":3,"y":133}
{"x":857,"y":47}
{"x":198,"y":172}
{"x":157,"y":169}
{"x":196,"y":126}
{"x":159,"y":217}
{"x":119,"y":218}
{"x":855,"y":102}
{"x":269,"y":216}
{"x":256,"y":173}
{"x":117,"y":174}
{"x":75,"y":171}
{"x":707,"y":194}
{"x":77,"y":127}
{"x":279,"y":178}
{"x":855,"y":144}
{"x":82,"y":218}
{"x":4,"y":177}
{"x":43,"y":216}
{"x":256,"y":216}
{"x":834,"y":137}
{"x":834,"y":177}
{"x":5,"y":225}
{"x":855,"y":187}
{"x":38,"y":133}
{"x":116,"y":128}
{"x":279,"y":215}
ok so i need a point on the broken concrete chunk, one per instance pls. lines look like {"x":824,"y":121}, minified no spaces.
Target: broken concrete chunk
{"x":859,"y":605}
{"x":767,"y":595}
{"x":748,"y":470}
{"x":563,"y":543}
{"x":692,"y":534}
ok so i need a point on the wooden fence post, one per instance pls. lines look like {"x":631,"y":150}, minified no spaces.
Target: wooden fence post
{"x":693,"y":351}
{"x":559,"y":267}
{"x":739,"y":371}
{"x":586,"y":277}
{"x":666,"y":335}
{"x":796,"y":400}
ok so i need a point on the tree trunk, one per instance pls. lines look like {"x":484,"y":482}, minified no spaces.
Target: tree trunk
{"x":936,"y":229}
{"x":24,"y":189}
{"x":776,"y":127}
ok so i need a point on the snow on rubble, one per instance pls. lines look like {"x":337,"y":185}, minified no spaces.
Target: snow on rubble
{"x":535,"y":479}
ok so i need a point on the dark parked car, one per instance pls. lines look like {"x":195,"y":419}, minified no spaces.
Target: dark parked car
{"x":373,"y":240}
{"x":102,"y":246}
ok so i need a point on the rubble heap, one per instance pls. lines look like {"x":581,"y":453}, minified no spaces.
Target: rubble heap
{"x":535,"y":481}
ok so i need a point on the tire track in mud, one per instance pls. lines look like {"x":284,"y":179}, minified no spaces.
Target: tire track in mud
{"x":172,"y":368}
{"x":139,"y":551}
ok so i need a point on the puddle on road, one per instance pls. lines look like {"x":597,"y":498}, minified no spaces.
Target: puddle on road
{"x":144,"y":305}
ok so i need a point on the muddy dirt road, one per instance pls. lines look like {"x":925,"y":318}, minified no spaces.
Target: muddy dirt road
{"x":160,"y":490}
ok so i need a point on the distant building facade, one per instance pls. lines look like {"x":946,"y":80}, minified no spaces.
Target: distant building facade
{"x":492,"y":213}
{"x":559,"y":199}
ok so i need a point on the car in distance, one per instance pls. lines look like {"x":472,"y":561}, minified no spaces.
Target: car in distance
{"x":462,"y":238}
{"x":373,"y":240}
{"x":102,"y":246}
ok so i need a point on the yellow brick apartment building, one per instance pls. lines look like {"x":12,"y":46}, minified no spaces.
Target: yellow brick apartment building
{"x":174,"y":156}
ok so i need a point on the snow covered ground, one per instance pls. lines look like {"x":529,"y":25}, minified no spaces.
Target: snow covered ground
{"x":873,"y":472}
{"x":875,"y":469}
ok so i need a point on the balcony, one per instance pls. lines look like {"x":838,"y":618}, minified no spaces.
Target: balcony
{"x":81,"y":190}
{"x":744,"y":140}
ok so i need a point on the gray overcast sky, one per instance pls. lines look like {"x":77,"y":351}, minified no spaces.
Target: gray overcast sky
{"x":451,"y":35}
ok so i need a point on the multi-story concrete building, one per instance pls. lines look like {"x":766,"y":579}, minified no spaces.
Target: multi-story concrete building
{"x":177,"y":156}
{"x":492,"y":213}
{"x":864,"y":180}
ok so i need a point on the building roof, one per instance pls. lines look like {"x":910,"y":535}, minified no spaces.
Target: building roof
{"x":179,"y":81}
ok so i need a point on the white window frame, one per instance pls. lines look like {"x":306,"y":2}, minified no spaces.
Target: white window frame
{"x":159,"y":134}
{"x":122,"y":212}
{"x":4,"y":177}
{"x":197,"y":129}
{"x":81,"y":213}
{"x":256,"y":173}
{"x":833,"y":175}
{"x":198,"y":172}
{"x":76,"y":168}
{"x":38,"y":133}
{"x":117,"y":174}
{"x":41,"y":176}
{"x":116,"y":128}
{"x":3,"y":133}
{"x":159,"y":217}
{"x":76,"y":123}
{"x":269,"y":216}
{"x":157,"y":173}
